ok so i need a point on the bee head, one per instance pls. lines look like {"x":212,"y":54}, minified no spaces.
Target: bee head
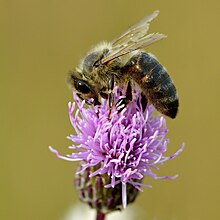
{"x":90,"y":79}
{"x":82,"y":87}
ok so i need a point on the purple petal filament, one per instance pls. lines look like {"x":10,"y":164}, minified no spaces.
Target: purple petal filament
{"x":127,"y":144}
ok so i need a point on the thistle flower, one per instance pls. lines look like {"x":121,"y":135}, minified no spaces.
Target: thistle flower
{"x":124,"y":146}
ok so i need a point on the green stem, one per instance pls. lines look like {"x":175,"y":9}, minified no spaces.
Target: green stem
{"x":100,"y":216}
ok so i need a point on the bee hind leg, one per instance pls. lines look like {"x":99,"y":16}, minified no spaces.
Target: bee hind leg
{"x":122,"y":102}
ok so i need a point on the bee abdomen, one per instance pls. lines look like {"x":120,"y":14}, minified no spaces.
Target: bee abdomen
{"x":155,"y":83}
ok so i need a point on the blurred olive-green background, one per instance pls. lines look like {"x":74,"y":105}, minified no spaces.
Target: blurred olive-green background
{"x":41,"y":40}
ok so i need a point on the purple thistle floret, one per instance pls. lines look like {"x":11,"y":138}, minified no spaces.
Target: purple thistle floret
{"x":127,"y":144}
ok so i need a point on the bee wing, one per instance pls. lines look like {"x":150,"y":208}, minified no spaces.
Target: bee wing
{"x":134,"y":38}
{"x":135,"y":31}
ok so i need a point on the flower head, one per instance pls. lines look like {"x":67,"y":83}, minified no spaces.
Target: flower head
{"x":125,"y":145}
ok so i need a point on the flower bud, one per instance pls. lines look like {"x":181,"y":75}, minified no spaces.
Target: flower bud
{"x":92,"y":191}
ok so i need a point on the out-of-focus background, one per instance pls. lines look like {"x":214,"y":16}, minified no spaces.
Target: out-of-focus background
{"x":42,"y":40}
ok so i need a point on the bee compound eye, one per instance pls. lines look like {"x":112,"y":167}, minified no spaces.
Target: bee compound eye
{"x":82,"y":86}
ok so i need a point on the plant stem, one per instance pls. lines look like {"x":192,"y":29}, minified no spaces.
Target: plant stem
{"x":100,"y":216}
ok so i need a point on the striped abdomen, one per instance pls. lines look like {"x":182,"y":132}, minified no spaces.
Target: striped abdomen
{"x":154,"y":81}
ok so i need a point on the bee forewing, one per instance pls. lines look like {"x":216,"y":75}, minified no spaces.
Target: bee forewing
{"x":143,"y":42}
{"x":135,"y":31}
{"x":134,"y":45}
{"x":134,"y":38}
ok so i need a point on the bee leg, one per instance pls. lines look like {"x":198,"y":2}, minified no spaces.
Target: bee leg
{"x":110,"y":90}
{"x":128,"y":97}
{"x":144,"y":101}
{"x":129,"y":91}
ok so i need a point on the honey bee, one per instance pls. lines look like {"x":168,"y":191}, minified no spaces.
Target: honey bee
{"x":120,"y":62}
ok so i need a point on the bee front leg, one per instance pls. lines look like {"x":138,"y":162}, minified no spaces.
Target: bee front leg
{"x":128,"y":97}
{"x":110,"y":93}
{"x":110,"y":90}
